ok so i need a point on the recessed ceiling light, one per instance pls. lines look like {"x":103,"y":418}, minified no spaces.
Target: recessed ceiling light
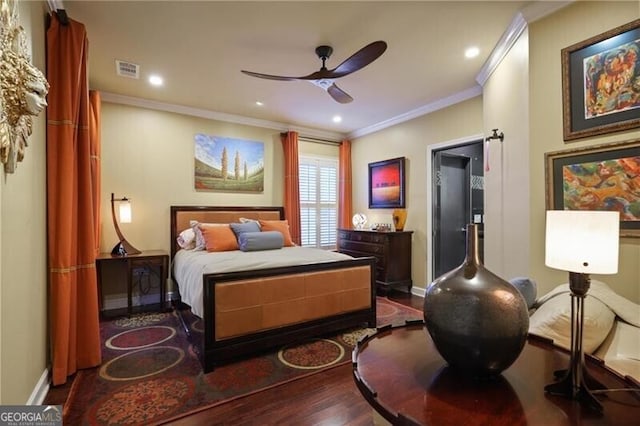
{"x":155,"y":80}
{"x":259,"y":103}
{"x":337,"y":119}
{"x":471,"y":52}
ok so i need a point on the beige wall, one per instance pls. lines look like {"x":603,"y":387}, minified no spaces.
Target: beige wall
{"x":410,"y":140}
{"x":23,"y":289}
{"x":548,"y":36}
{"x":148,"y":156}
{"x":505,"y":106}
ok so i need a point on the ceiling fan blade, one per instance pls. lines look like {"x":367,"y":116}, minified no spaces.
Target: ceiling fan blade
{"x":359,"y":60}
{"x":338,"y":94}
{"x":268,"y":76}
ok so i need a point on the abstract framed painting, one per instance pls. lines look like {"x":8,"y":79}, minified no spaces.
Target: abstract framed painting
{"x":386,"y":184}
{"x":602,"y":177}
{"x":601,"y":83}
{"x":228,"y":164}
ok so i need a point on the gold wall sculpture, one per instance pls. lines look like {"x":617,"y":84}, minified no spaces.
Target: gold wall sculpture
{"x":23,"y":89}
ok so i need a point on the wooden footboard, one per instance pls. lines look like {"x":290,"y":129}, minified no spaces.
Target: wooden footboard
{"x":248,"y":312}
{"x":251,"y":311}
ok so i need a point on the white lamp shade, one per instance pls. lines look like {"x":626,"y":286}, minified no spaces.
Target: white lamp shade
{"x":125,"y":212}
{"x":583,"y":241}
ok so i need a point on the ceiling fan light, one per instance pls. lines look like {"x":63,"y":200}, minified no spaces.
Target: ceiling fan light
{"x":324,"y":83}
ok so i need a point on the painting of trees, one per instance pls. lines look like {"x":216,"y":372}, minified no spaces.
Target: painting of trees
{"x":212,"y":171}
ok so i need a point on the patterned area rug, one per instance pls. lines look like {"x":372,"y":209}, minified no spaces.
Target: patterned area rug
{"x":150,"y":374}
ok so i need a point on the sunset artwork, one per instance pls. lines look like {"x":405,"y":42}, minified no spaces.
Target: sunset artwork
{"x":612,"y":185}
{"x":612,"y":80}
{"x":385,"y":184}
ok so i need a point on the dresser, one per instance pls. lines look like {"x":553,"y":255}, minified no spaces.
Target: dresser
{"x":392,"y":251}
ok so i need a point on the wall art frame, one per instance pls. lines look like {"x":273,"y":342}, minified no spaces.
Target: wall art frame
{"x":599,"y":79}
{"x":227,"y":164}
{"x":387,"y":184}
{"x":599,"y":177}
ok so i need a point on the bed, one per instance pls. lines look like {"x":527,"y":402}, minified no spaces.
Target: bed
{"x":237,"y":311}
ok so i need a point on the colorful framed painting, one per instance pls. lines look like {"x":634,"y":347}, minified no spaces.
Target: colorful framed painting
{"x":228,"y":164}
{"x":601,"y":83}
{"x":386,"y":184}
{"x":602,"y":177}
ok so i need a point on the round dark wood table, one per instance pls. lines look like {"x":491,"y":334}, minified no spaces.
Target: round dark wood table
{"x":403,"y":377}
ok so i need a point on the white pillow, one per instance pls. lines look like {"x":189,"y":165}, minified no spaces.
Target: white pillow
{"x":553,"y":321}
{"x":187,"y":239}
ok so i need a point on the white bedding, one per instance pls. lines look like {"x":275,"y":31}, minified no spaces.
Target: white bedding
{"x":190,"y":265}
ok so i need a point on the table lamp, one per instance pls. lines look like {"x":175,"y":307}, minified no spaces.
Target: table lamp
{"x":123,"y":247}
{"x":580,"y":242}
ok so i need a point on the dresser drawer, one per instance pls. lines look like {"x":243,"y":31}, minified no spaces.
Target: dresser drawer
{"x":368,"y":237}
{"x":363,"y":247}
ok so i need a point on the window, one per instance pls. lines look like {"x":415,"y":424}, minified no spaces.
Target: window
{"x":318,"y":201}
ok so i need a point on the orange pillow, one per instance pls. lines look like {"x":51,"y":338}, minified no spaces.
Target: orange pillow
{"x":219,"y":237}
{"x":281,"y":226}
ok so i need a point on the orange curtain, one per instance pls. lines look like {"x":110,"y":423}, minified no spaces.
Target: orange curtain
{"x":95,"y":146}
{"x":345,"y":208}
{"x":291,"y":188}
{"x":71,"y":204}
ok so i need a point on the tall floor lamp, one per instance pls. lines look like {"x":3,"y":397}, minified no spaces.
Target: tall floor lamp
{"x":580,"y":242}
{"x":123,"y":247}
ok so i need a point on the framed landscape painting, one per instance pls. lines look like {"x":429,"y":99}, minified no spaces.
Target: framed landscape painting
{"x":601,"y":83}
{"x":603,"y":177}
{"x":386,"y":184}
{"x":228,"y":164}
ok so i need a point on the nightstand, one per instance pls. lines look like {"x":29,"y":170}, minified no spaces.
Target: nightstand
{"x":147,"y":260}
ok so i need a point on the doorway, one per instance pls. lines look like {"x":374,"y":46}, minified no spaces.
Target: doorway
{"x":458,"y":199}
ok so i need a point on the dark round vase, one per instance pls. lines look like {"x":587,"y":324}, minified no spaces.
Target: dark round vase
{"x":477,"y":320}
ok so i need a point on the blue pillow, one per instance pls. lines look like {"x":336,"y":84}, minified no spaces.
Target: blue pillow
{"x":527,"y":287}
{"x":255,"y":241}
{"x":241,"y":228}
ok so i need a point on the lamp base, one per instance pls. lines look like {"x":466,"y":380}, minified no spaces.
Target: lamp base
{"x":574,"y":383}
{"x":565,"y":387}
{"x":123,"y":248}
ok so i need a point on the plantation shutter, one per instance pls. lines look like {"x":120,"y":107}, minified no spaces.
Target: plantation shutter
{"x":318,"y":181}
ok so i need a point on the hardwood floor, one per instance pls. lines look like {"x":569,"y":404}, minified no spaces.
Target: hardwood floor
{"x":327,"y":398}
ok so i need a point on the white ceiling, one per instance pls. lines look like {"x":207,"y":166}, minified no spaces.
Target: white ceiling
{"x":200,"y":47}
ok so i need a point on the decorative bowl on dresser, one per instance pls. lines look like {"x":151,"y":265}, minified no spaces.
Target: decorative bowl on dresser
{"x":392,"y":250}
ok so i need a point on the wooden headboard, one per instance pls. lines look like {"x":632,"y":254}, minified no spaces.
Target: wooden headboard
{"x":182,"y":215}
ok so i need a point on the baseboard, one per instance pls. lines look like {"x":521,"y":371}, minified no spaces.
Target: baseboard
{"x":418,"y":291}
{"x":39,"y":393}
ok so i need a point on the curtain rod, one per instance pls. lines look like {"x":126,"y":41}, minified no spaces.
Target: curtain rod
{"x":315,"y":140}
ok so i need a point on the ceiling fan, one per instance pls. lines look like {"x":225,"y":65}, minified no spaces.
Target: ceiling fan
{"x":324,"y":77}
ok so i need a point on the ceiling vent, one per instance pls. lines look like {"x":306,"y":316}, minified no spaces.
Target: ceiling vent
{"x":127,"y":69}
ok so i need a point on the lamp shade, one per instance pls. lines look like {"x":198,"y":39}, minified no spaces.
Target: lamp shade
{"x":125,"y":211}
{"x":582,"y":241}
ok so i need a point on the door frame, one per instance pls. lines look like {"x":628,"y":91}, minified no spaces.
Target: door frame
{"x":434,"y":217}
{"x":430,"y":148}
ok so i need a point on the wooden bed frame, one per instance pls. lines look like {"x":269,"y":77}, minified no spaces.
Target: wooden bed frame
{"x":337,"y":295}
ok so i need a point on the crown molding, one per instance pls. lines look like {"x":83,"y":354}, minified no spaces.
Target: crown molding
{"x":423,"y":110}
{"x":55,"y":5}
{"x":529,"y":14}
{"x":540,"y":9}
{"x":506,"y":42}
{"x":115,"y":98}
